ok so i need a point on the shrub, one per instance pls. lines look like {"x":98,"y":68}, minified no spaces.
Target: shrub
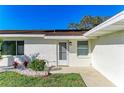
{"x":37,"y":65}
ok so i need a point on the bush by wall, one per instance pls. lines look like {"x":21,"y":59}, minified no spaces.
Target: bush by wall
{"x":37,"y":65}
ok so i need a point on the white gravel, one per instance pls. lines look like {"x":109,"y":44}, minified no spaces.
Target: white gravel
{"x":27,"y":72}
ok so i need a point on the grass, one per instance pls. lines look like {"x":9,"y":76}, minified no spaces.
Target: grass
{"x":13,"y":79}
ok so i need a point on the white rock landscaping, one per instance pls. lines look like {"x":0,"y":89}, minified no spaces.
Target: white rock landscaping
{"x":27,"y":72}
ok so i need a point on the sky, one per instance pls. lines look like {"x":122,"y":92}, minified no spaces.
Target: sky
{"x":46,"y":17}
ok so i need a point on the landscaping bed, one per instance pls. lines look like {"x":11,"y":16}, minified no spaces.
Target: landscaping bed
{"x":30,"y":72}
{"x":13,"y":79}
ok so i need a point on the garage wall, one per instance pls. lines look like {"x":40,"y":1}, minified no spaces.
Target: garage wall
{"x":108,"y":56}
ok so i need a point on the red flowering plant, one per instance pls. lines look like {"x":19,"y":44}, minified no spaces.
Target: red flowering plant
{"x":15,"y":64}
{"x":25,"y":63}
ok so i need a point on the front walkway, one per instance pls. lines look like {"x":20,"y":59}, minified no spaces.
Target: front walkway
{"x":91,"y":77}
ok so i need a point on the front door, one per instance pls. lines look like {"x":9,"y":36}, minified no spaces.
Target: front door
{"x":63,"y":53}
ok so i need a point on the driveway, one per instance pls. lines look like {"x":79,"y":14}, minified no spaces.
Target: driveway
{"x":91,"y":77}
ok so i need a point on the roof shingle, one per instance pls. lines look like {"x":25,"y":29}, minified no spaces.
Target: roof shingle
{"x":46,"y":32}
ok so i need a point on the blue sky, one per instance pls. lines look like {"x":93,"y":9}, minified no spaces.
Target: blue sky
{"x":49,"y":17}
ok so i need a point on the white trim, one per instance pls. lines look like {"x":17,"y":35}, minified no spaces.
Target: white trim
{"x":83,"y":56}
{"x":45,"y":37}
{"x":110,"y":21}
{"x":66,"y":37}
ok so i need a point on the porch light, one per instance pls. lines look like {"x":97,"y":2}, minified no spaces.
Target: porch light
{"x":70,"y":43}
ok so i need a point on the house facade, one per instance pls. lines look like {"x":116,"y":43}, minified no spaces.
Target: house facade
{"x":58,"y":47}
{"x":101,"y":47}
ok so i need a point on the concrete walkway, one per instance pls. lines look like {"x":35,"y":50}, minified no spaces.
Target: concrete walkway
{"x":91,"y":77}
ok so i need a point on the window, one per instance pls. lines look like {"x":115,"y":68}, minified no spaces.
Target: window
{"x":20,"y":47}
{"x":12,"y":48}
{"x":82,"y":48}
{"x":8,"y":48}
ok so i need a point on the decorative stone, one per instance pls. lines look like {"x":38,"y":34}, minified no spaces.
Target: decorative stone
{"x":28,"y":72}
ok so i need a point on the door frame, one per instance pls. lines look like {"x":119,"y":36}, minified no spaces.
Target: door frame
{"x":67,"y":54}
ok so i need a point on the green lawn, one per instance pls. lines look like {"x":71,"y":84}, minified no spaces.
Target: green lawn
{"x":12,"y":79}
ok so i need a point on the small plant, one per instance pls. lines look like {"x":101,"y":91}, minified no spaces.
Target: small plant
{"x":25,"y":63}
{"x":37,"y":65}
{"x":15,"y":64}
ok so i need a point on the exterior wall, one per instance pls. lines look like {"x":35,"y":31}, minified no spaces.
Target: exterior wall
{"x":108,"y":56}
{"x":48,"y":50}
{"x":75,"y":60}
{"x":6,"y":61}
{"x":45,"y":48}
